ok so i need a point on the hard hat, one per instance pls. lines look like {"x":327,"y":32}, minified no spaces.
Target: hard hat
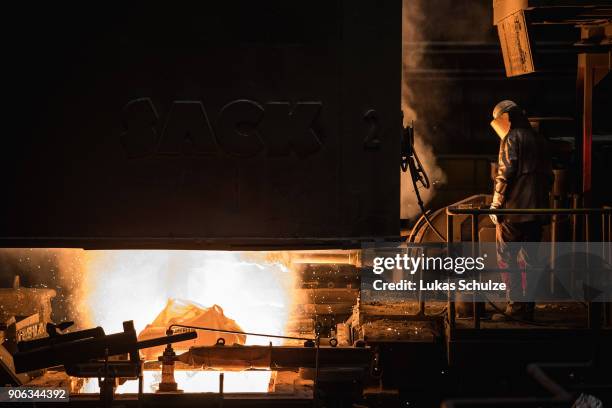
{"x":503,"y":107}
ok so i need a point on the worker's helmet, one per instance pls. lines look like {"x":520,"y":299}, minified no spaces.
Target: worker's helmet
{"x":503,"y":107}
{"x":501,"y":122}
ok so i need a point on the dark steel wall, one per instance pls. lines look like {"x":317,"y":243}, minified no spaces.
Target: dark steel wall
{"x":238,"y":124}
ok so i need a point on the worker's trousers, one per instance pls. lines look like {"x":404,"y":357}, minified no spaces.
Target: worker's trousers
{"x":514,"y":256}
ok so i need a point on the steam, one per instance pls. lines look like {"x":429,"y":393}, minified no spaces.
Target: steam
{"x":413,"y":20}
{"x":410,"y":208}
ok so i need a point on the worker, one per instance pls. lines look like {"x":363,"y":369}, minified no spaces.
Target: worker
{"x":523,"y":180}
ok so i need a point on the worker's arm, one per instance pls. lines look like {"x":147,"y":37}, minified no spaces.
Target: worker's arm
{"x":507,"y":168}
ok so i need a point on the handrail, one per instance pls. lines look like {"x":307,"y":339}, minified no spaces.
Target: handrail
{"x":532,"y":211}
{"x":605,"y":212}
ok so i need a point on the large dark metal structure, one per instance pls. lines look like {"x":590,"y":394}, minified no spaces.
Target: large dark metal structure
{"x":238,"y":124}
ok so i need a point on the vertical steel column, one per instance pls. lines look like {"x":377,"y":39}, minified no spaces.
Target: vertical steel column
{"x":584,"y":88}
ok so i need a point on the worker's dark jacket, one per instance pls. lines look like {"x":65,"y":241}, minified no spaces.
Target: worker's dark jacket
{"x":524,"y":176}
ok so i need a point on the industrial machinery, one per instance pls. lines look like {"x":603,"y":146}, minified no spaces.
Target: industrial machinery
{"x":86,"y":353}
{"x":114,"y":358}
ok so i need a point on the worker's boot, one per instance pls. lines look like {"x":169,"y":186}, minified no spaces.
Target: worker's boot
{"x":515,"y":311}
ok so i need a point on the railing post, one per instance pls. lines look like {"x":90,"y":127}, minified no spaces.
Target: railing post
{"x":421,"y":311}
{"x":553,"y":245}
{"x":451,"y":303}
{"x":475,"y":240}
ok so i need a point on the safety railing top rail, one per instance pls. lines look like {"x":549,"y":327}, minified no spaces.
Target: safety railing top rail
{"x":536,"y":211}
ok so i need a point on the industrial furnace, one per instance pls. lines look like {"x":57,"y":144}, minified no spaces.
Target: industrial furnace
{"x":168,"y":142}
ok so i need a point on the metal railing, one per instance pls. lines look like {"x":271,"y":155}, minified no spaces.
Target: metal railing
{"x":594,"y":312}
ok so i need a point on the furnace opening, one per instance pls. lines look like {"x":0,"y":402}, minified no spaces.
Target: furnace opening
{"x":276,"y":293}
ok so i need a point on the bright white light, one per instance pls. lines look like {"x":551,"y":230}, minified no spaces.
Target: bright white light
{"x":195,"y":381}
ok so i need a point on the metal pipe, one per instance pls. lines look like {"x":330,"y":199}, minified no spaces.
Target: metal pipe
{"x":449,"y":227}
{"x":575,"y":203}
{"x":475,"y":306}
{"x":450,"y":304}
{"x":545,"y":381}
{"x":421,"y":311}
{"x":587,"y":228}
{"x":160,"y":341}
{"x":553,"y":244}
{"x":96,"y":332}
{"x":274,"y":336}
{"x":532,"y":211}
{"x":603,"y":236}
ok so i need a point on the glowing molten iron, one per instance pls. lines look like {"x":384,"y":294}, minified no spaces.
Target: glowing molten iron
{"x":190,"y":314}
{"x":138,"y":285}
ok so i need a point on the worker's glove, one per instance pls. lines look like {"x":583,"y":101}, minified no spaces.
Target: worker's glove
{"x":494,"y":216}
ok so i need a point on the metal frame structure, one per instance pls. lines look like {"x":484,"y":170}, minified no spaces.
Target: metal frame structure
{"x":606,"y":233}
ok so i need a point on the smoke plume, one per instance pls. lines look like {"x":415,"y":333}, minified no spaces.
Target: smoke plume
{"x":412,"y":55}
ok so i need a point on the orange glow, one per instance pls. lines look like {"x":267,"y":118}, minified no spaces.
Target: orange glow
{"x":136,"y":285}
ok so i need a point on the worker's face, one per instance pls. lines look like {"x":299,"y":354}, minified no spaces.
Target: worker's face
{"x":501,"y":125}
